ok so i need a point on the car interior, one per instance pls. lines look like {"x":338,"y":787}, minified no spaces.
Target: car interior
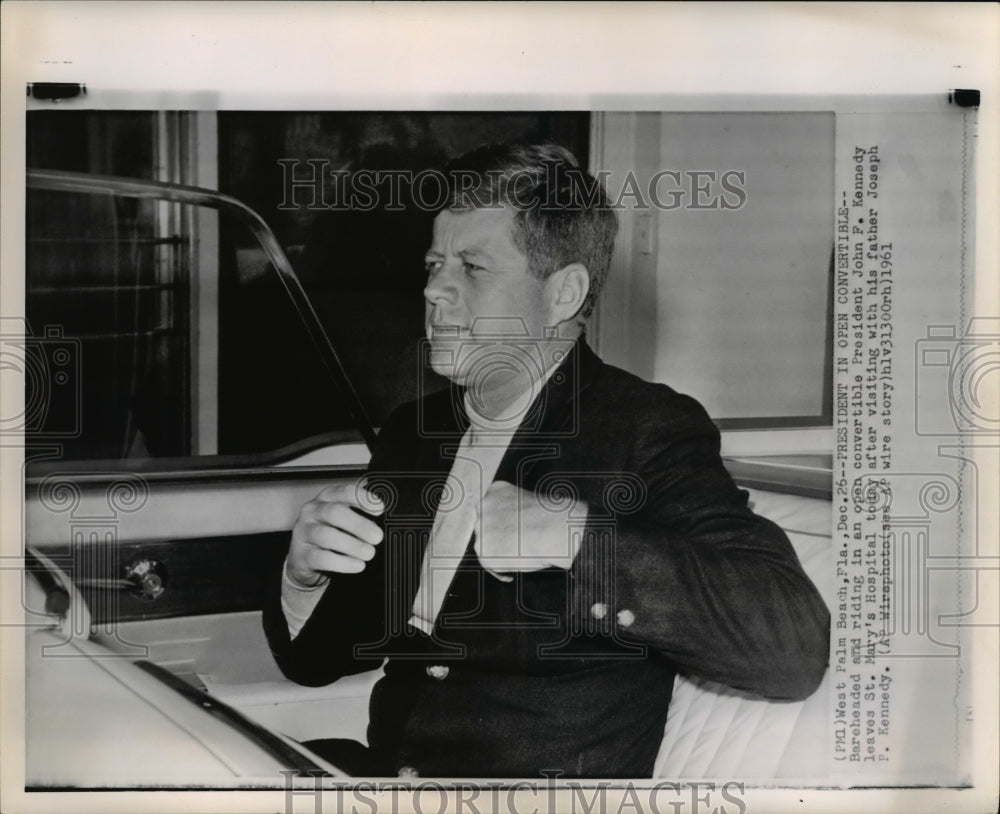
{"x":209,"y":350}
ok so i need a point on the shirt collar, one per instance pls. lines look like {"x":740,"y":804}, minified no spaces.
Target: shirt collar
{"x":509,"y":419}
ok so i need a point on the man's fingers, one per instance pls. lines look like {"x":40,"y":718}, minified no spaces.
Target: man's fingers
{"x":323,"y":560}
{"x":328,"y":538}
{"x":354,"y":494}
{"x":343,"y":517}
{"x":497,"y":574}
{"x":331,"y":535}
{"x":497,"y":565}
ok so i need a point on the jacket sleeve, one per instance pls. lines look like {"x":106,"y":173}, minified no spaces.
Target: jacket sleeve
{"x":695,"y":574}
{"x":349,"y":621}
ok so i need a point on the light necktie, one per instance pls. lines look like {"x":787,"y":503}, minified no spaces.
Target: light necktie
{"x":474,"y":469}
{"x":457,"y":518}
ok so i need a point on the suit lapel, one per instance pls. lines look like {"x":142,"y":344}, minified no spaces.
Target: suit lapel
{"x":553,"y":418}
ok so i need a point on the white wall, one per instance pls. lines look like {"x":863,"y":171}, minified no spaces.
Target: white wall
{"x":730,"y":305}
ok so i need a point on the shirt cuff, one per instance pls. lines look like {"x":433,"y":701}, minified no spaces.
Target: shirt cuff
{"x":298,"y":603}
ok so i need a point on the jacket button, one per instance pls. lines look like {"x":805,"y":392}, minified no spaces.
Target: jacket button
{"x":438,"y":671}
{"x":599,"y":610}
{"x":626,"y":618}
{"x":407,"y":771}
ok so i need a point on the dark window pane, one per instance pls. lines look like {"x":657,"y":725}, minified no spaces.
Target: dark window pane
{"x":362,"y":266}
{"x":96,"y":273}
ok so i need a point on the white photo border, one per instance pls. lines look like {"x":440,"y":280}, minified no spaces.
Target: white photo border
{"x":302,"y":56}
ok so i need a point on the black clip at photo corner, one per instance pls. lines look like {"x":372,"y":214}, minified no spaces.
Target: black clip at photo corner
{"x":55,"y":91}
{"x":963,"y":97}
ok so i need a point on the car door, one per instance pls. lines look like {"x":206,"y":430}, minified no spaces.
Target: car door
{"x":172,"y":544}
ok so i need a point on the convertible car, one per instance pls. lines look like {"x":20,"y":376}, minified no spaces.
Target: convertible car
{"x":145,"y":657}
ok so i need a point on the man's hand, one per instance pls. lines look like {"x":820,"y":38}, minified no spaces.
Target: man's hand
{"x":522,"y":532}
{"x":330,"y":535}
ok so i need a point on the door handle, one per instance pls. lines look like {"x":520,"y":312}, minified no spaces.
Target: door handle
{"x":144,"y":579}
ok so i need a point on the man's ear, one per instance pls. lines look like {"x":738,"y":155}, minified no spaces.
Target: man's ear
{"x":568,"y":288}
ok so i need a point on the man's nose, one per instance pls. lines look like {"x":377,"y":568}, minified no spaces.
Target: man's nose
{"x":441,"y":287}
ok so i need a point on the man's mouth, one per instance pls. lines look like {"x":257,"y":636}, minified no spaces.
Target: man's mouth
{"x":440,"y":331}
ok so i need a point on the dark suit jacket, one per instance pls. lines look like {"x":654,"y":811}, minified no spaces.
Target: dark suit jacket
{"x":569,"y":671}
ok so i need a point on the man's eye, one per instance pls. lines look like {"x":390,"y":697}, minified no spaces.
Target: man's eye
{"x":471,"y":268}
{"x":430,"y":266}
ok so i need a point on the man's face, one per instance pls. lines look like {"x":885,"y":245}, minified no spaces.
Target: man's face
{"x":480,"y":299}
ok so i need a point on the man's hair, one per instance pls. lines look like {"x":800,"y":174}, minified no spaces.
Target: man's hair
{"x":561,"y":212}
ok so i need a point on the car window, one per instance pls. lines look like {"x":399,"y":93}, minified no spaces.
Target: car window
{"x":123,"y":300}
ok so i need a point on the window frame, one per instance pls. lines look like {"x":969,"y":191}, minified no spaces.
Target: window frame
{"x":171,"y":467}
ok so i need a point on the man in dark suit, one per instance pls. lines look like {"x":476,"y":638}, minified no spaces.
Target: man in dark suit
{"x":539,"y":549}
